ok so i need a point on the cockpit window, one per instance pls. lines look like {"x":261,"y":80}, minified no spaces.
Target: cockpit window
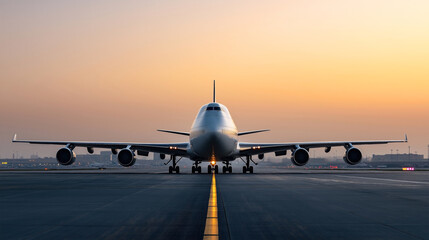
{"x":213,"y":108}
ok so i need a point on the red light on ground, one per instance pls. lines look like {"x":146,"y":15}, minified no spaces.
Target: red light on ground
{"x":46,"y":169}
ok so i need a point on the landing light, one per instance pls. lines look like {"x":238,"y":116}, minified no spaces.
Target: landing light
{"x":213,"y":162}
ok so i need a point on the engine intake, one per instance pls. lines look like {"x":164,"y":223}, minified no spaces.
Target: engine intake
{"x":126,"y":157}
{"x":353,"y":156}
{"x":300,"y":157}
{"x":65,"y":156}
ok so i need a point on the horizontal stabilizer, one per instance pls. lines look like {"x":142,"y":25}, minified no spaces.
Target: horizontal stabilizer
{"x":251,"y":132}
{"x":174,"y":132}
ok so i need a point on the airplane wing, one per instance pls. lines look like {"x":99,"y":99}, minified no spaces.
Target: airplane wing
{"x":247,"y":149}
{"x":178,"y":149}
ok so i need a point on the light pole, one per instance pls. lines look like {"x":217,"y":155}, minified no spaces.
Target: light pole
{"x":409,"y":153}
{"x":397,"y":154}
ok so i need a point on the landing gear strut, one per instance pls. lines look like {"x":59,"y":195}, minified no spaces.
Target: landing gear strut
{"x":248,"y":168}
{"x":209,"y":169}
{"x":196,"y":168}
{"x":227,"y":167}
{"x":174,"y":167}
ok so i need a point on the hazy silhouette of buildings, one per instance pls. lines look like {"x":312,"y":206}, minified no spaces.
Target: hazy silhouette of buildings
{"x":107,"y":160}
{"x":397,"y":157}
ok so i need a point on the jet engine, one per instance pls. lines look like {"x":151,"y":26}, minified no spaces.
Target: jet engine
{"x":300,"y":157}
{"x":126,"y":157}
{"x":353,"y":156}
{"x":66,"y":156}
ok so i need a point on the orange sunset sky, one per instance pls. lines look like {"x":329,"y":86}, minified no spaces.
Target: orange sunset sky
{"x":307,"y":70}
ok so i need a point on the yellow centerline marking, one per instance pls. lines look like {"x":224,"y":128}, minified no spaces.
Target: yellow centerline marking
{"x":212,"y":229}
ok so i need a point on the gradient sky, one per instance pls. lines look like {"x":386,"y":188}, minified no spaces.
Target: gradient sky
{"x":307,"y":70}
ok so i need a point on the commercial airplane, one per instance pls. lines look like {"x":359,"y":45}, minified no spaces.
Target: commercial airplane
{"x":213,"y":138}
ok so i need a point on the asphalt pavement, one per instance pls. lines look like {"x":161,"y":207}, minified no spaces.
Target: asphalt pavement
{"x":270,"y":204}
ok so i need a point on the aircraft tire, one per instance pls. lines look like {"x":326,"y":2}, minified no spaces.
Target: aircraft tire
{"x":199,"y":169}
{"x":244,"y":169}
{"x":216,"y":169}
{"x":251,"y":169}
{"x":170,"y":169}
{"x":177,"y":169}
{"x":230,"y":169}
{"x":223,"y":169}
{"x":193,"y":169}
{"x":209,"y":169}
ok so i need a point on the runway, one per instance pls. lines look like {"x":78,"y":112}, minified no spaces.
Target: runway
{"x":270,"y":204}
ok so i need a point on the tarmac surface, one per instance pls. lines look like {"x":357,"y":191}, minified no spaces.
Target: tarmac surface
{"x":269,"y":204}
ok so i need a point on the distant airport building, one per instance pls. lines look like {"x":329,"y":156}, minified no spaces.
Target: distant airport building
{"x":107,"y":159}
{"x":399,"y":161}
{"x":397,"y":157}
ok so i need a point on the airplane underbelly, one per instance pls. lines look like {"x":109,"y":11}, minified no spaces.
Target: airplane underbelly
{"x":222,"y":146}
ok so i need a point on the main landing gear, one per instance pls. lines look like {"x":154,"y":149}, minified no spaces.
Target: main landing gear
{"x":210,"y":168}
{"x":248,"y":168}
{"x":174,"y":167}
{"x":227,"y":168}
{"x":196,"y":168}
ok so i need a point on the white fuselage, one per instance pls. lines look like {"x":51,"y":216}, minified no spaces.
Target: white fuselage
{"x":213,"y":135}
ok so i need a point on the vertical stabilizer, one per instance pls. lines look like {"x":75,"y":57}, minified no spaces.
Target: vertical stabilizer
{"x":214,"y":90}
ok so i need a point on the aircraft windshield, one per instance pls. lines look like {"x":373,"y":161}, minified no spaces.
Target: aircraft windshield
{"x":213,"y":108}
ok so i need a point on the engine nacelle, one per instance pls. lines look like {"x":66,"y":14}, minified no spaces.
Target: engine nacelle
{"x":353,"y":156}
{"x":300,"y":157}
{"x":66,"y":156}
{"x":261,"y":156}
{"x":126,"y":157}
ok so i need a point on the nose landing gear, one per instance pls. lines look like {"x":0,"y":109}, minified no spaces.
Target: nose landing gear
{"x":215,"y":168}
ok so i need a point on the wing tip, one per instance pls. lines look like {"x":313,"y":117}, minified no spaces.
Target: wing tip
{"x":14,"y":138}
{"x":406,"y":138}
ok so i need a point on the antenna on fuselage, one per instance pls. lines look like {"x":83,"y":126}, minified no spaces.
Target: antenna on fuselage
{"x":214,"y":90}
